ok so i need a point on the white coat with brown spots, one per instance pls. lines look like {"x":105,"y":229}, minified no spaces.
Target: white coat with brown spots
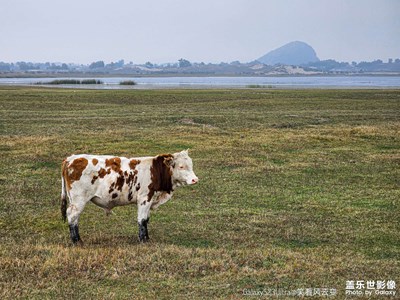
{"x":110,"y":181}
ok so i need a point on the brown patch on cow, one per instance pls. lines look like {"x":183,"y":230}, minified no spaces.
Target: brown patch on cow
{"x":104,"y":172}
{"x":161,"y":175}
{"x":94,"y":179}
{"x":120,"y":181}
{"x":101,"y":174}
{"x":112,"y":186}
{"x":73,"y":171}
{"x":114,"y":163}
{"x":129,"y":178}
{"x":130,"y":196}
{"x":168,"y":159}
{"x":95,"y":161}
{"x":138,"y":186}
{"x":133,"y":163}
{"x":115,"y":195}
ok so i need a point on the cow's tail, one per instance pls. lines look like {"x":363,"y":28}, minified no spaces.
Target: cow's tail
{"x":63,"y":194}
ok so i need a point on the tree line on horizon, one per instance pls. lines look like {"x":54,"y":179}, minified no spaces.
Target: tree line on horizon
{"x":331,"y":65}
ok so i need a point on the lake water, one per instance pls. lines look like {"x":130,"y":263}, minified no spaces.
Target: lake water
{"x":227,"y":82}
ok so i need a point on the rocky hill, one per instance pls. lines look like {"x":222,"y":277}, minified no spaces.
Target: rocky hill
{"x":294,"y":53}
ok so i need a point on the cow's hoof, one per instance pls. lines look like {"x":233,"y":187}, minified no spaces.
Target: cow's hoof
{"x":78,"y":243}
{"x":144,"y":239}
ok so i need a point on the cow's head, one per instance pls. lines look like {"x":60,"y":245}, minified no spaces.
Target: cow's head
{"x":182,"y":169}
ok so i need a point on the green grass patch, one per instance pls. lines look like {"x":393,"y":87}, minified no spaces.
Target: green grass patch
{"x":127,"y":82}
{"x":91,"y":81}
{"x":259,"y":86}
{"x":71,"y":81}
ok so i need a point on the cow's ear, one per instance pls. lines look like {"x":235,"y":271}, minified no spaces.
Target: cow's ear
{"x":186,"y":151}
{"x":169,"y":161}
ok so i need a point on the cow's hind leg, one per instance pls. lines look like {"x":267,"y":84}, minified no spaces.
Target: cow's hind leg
{"x":73,"y":213}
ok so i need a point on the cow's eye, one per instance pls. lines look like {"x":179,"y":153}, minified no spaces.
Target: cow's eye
{"x":181,"y":167}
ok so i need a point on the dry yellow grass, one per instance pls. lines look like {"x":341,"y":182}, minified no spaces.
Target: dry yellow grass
{"x":299,"y":189}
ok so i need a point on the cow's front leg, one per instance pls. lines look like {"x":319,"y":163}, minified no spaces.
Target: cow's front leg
{"x":143,"y":219}
{"x":143,"y":232}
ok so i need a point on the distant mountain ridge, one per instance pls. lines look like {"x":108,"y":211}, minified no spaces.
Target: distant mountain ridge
{"x":294,"y":53}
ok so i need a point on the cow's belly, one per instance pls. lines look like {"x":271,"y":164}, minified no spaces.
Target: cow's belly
{"x":106,"y":200}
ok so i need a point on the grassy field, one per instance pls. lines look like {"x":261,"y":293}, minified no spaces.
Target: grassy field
{"x":298,"y":189}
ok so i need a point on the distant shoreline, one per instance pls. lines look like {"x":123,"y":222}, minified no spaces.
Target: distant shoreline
{"x":211,"y":82}
{"x":157,"y":75}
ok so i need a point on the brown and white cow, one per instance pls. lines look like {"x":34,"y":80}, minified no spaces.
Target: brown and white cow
{"x":110,"y":181}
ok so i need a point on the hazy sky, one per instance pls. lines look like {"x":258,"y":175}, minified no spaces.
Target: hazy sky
{"x":84,"y":31}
